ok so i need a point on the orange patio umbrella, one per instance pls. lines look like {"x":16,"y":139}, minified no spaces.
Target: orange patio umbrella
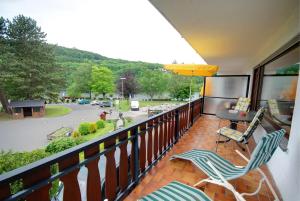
{"x":192,"y":70}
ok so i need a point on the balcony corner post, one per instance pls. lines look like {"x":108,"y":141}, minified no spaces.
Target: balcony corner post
{"x":136,"y":155}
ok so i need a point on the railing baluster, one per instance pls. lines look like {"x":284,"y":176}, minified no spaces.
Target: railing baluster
{"x":93,"y":191}
{"x":165,"y":131}
{"x":30,"y":180}
{"x":177,"y":125}
{"x":161,"y":135}
{"x":181,"y":121}
{"x":142,"y":153}
{"x":186,"y":117}
{"x":71,"y":186}
{"x":110,"y":170}
{"x":4,"y":191}
{"x":150,"y":145}
{"x":155,"y":147}
{"x":123,"y":168}
{"x":170,"y":127}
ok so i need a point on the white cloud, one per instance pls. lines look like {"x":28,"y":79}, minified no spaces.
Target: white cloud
{"x":131,"y":29}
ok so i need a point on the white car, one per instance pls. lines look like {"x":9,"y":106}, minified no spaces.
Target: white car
{"x":135,"y":105}
{"x":95,"y":102}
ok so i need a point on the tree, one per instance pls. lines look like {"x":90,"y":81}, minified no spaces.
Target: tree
{"x":153,"y":82}
{"x":80,"y":81}
{"x":102,"y":80}
{"x":179,"y":86}
{"x":130,"y":84}
{"x":30,"y":72}
{"x":5,"y":62}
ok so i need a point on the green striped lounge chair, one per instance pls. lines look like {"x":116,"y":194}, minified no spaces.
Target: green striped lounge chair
{"x":176,"y":191}
{"x":242,"y":104}
{"x":239,"y":137}
{"x":220,"y":171}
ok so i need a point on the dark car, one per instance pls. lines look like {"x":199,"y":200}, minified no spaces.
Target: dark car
{"x":105,"y":104}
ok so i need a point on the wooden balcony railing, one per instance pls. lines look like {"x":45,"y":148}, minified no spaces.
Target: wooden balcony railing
{"x":147,"y":142}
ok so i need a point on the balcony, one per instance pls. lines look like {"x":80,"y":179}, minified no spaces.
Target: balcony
{"x":202,"y":135}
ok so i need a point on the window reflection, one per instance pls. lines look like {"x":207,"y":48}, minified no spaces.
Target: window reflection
{"x":280,"y":86}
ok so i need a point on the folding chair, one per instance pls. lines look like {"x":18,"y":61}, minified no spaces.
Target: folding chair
{"x":239,"y":137}
{"x":242,"y":104}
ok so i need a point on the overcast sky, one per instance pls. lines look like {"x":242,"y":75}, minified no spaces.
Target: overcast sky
{"x":131,"y":29}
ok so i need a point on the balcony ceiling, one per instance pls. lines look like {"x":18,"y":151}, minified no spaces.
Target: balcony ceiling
{"x":236,"y":35}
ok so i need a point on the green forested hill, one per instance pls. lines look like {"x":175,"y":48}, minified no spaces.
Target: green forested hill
{"x":71,"y":58}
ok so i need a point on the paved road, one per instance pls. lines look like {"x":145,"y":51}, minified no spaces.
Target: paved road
{"x":31,"y":133}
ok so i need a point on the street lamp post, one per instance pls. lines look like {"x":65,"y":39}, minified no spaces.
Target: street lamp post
{"x":122,"y":79}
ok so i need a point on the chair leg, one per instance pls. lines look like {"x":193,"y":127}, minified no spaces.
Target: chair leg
{"x":227,"y":185}
{"x":269,"y":184}
{"x":218,"y":143}
{"x":248,"y":150}
{"x":256,"y":191}
{"x":240,"y":146}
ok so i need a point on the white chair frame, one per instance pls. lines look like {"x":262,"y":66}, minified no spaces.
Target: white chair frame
{"x":239,"y":196}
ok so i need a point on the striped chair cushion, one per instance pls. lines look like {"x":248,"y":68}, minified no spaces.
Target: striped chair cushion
{"x":254,"y":123}
{"x":230,"y":133}
{"x":178,"y":192}
{"x":242,"y":104}
{"x":200,"y":157}
{"x":265,"y":149}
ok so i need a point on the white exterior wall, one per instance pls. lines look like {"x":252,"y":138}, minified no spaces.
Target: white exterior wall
{"x":285,"y":166}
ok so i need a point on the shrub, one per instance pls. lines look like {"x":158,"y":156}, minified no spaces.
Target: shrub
{"x":60,"y":145}
{"x":11,"y":160}
{"x":76,"y":134}
{"x":100,"y":124}
{"x":92,"y":128}
{"x":84,"y":128}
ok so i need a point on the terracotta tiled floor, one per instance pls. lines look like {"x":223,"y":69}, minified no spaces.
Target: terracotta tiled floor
{"x":201,"y":136}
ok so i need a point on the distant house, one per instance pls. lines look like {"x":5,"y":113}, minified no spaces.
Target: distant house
{"x":27,"y":108}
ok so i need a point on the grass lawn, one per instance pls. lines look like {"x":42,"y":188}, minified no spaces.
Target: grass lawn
{"x":4,"y":116}
{"x":125,"y":104}
{"x":57,"y":110}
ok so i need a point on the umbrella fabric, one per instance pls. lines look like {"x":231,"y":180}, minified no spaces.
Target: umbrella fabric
{"x":192,"y":69}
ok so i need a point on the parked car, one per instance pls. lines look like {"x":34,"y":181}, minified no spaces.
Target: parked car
{"x":95,"y":102}
{"x":83,"y":101}
{"x":135,"y":105}
{"x":106,"y":104}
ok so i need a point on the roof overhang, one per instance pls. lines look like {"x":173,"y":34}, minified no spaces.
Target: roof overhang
{"x":235,"y":35}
